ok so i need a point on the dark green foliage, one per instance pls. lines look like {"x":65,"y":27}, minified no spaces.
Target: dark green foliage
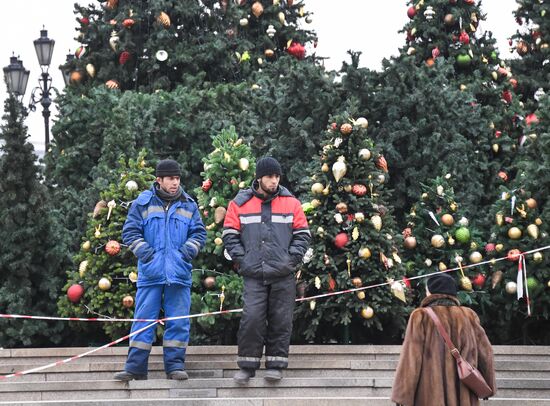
{"x":30,"y":256}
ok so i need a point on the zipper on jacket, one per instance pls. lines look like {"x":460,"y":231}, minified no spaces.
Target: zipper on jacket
{"x":166,"y":240}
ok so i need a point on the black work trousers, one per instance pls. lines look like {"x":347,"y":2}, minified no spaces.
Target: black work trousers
{"x":266,"y":320}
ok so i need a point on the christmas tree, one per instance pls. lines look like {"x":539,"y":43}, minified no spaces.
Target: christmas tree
{"x":102,"y":283}
{"x":227,"y":169}
{"x":531,"y":43}
{"x":354,"y":243}
{"x":440,"y":236}
{"x":517,"y":228}
{"x":30,"y":253}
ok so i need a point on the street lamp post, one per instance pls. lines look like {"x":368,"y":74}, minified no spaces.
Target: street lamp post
{"x":41,"y":94}
{"x":16,"y":77}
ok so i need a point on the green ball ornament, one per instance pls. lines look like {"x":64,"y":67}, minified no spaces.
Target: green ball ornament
{"x":462,"y":235}
{"x":532,"y":284}
{"x":308,"y":208}
{"x":463,"y":60}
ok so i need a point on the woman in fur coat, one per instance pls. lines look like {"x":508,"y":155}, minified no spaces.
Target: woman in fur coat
{"x":426,"y":374}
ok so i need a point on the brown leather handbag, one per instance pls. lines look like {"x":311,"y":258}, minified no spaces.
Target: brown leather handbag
{"x":467,"y":374}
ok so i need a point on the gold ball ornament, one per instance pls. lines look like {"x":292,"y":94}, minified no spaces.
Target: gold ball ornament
{"x":133,"y":277}
{"x":438,"y":241}
{"x":104,"y":284}
{"x":367,"y":312}
{"x":76,"y":77}
{"x":364,"y":154}
{"x":348,"y":188}
{"x":531,"y":203}
{"x":475,"y":257}
{"x":362,"y":122}
{"x":361,"y":295}
{"x":346,"y":129}
{"x":257,"y":9}
{"x":315,"y":203}
{"x":538,"y":221}
{"x":127,"y":301}
{"x":511,"y":288}
{"x":514,"y":233}
{"x":447,"y":219}
{"x":499,"y":247}
{"x":209,"y":282}
{"x":317,"y":188}
{"x":364,"y":253}
{"x":537,"y":257}
{"x":218,"y":241}
{"x":441,"y":266}
{"x":410,"y":243}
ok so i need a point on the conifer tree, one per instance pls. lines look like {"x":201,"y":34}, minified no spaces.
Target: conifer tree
{"x":227,"y":169}
{"x":30,"y":256}
{"x":354,"y":243}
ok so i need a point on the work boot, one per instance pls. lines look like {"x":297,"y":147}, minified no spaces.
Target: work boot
{"x":126,"y":376}
{"x":273,"y":374}
{"x":179,"y":375}
{"x":243,"y":376}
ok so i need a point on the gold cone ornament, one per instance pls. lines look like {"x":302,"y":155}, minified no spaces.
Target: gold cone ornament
{"x":466,"y":283}
{"x":164,"y":19}
{"x":82,"y":268}
{"x":376,"y":221}
{"x":339,"y":168}
{"x":533,"y":231}
{"x":496,"y":278}
{"x":219,"y":214}
{"x":243,"y":164}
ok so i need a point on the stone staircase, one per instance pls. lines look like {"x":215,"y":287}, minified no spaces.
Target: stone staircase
{"x":325,"y":375}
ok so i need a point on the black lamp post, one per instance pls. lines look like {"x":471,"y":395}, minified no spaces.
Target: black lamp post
{"x":16,"y":77}
{"x":41,"y":94}
{"x":65,"y":71}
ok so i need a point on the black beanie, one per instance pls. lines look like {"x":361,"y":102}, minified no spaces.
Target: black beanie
{"x":268,"y":166}
{"x":442,"y":283}
{"x":167,"y":167}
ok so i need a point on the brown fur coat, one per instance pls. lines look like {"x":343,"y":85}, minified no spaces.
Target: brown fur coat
{"x":426,"y":374}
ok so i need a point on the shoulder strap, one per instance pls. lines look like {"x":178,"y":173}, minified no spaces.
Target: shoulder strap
{"x":454,"y":351}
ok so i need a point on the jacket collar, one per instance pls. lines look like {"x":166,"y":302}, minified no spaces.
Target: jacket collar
{"x":246,"y":194}
{"x":438,"y":299}
{"x":184,"y":196}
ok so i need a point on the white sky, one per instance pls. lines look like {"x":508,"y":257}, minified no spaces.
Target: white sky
{"x":370,"y":26}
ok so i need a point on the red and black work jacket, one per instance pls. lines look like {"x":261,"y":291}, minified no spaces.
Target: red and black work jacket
{"x":266,"y":237}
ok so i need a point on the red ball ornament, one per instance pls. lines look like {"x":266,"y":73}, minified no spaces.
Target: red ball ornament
{"x":341,"y":240}
{"x":531,"y":119}
{"x":490,"y":247}
{"x":513,"y":255}
{"x":479,"y":280}
{"x":112,"y":248}
{"x":128,"y":22}
{"x":84,"y":21}
{"x":75,"y":292}
{"x":464,"y":38}
{"x":411,"y":12}
{"x":124,"y":57}
{"x":503,"y":175}
{"x":297,"y":50}
{"x":206,"y":185}
{"x":507,"y":96}
{"x":359,"y":190}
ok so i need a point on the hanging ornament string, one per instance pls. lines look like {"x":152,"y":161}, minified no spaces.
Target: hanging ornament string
{"x":522,"y":282}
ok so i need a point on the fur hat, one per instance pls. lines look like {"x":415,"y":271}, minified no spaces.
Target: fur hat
{"x":442,"y":283}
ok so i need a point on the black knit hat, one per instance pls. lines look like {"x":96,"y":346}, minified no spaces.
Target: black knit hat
{"x":442,"y":283}
{"x":168,"y":167}
{"x":268,"y":166}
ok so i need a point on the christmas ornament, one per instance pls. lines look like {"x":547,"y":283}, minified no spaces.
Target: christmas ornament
{"x":339,"y":168}
{"x":341,"y":240}
{"x":133,"y":277}
{"x":131,"y":185}
{"x":325,"y":168}
{"x":539,"y":94}
{"x":124,"y":57}
{"x":206,"y":185}
{"x":507,"y":96}
{"x":357,"y":282}
{"x":271,"y":31}
{"x":531,"y":203}
{"x":511,"y":288}
{"x":410,"y":243}
{"x":75,"y":292}
{"x":463,"y":60}
{"x":532,"y":284}
{"x":376,"y":221}
{"x":128,"y":22}
{"x":111,"y":4}
{"x":282,"y":18}
{"x":80,"y":52}
{"x":342,"y":208}
{"x":269,"y":53}
{"x":209,"y":282}
{"x":499,"y":247}
{"x":442,"y":267}
{"x":315,"y":203}
{"x":102,"y":204}
{"x":111,"y":205}
{"x":381,"y":163}
{"x":243,"y":22}
{"x":114,"y":40}
{"x":479,"y":280}
{"x":331,"y":283}
{"x":317,"y":188}
{"x":537,"y":257}
{"x":359,"y":217}
{"x":514,"y":233}
{"x":449,"y":19}
{"x":243,"y":164}
{"x":257,"y":9}
{"x":475,"y":257}
{"x":76,"y":77}
{"x":112,"y":247}
{"x":338,"y":218}
{"x":364,"y":154}
{"x":161,"y":55}
{"x":86,"y":245}
{"x":361,"y":295}
{"x":533,"y":231}
{"x":312,"y":304}
{"x":367,"y":312}
{"x":346,"y":129}
{"x":364,"y":253}
{"x":112,"y":84}
{"x":397,"y":289}
{"x":522,"y":48}
{"x":219,"y":214}
{"x":496,"y":277}
{"x":463,"y":222}
{"x":462,"y":235}
{"x":90,"y":69}
{"x":362,"y":122}
{"x":359,"y":190}
{"x":429,"y":13}
{"x":411,"y":12}
{"x":82,"y":267}
{"x":513,"y":255}
{"x":538,"y":221}
{"x":218,"y":241}
{"x":447,"y":219}
{"x":466,"y":283}
{"x":464,"y":38}
{"x":438,"y":241}
{"x":164,"y":19}
{"x":104,"y":284}
{"x":127,"y":301}
{"x":297,"y":50}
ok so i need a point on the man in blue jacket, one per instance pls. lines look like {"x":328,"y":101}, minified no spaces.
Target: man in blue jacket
{"x":165,"y":232}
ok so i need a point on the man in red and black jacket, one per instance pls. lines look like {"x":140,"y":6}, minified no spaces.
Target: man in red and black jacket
{"x":266,"y":234}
